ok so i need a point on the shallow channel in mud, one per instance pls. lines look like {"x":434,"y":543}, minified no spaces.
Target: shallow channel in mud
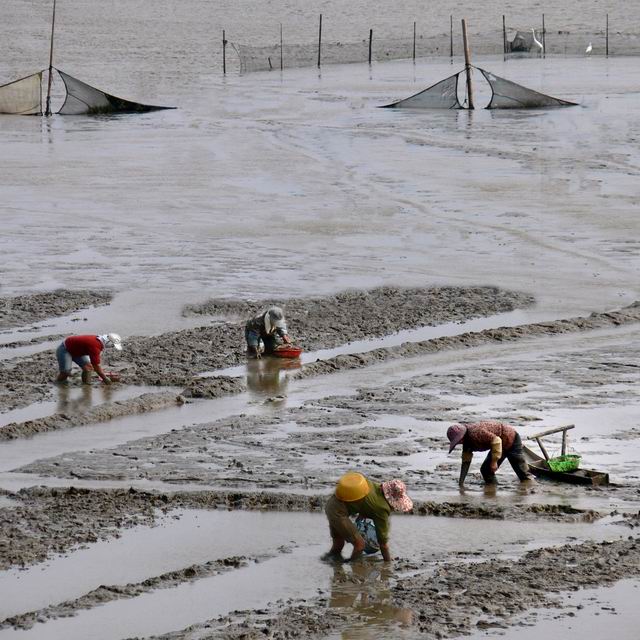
{"x":287,"y":547}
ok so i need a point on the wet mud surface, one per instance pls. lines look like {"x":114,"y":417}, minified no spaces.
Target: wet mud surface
{"x":449,"y":600}
{"x":18,"y":311}
{"x":299,"y":432}
{"x":173,"y":359}
{"x":108,"y":593}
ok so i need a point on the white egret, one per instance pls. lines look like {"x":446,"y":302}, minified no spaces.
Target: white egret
{"x":537,"y":45}
{"x":589,"y":49}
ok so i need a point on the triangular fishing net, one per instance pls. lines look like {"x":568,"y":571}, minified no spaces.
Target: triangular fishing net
{"x":22,"y":97}
{"x":509,"y":95}
{"x":85,"y":99}
{"x":442,"y":95}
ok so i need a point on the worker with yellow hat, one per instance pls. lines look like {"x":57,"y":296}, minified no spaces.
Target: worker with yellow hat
{"x":357,"y":495}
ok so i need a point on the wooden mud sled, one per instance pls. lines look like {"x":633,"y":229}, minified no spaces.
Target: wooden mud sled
{"x":540,"y":466}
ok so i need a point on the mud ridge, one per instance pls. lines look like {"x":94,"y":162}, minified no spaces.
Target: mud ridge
{"x":19,"y":311}
{"x":108,"y":593}
{"x":627,"y":315}
{"x":102,"y":413}
{"x":49,"y":520}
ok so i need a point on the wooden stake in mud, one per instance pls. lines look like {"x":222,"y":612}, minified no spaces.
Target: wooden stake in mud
{"x":224,"y":52}
{"x":370,"y":42}
{"x":451,"y":38}
{"x":606,"y":44}
{"x":414,"y":40}
{"x":467,"y":64}
{"x":47,"y":111}
{"x":281,"y":55}
{"x":504,"y":37}
{"x":319,"y":40}
{"x":544,"y":39}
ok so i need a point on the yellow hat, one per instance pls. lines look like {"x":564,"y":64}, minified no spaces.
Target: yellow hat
{"x":351,"y":487}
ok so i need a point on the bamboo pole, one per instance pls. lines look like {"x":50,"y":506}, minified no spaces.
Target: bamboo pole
{"x":451,"y":37}
{"x":224,"y":52}
{"x":544,"y":451}
{"x":370,"y":42}
{"x":504,"y":37}
{"x":467,"y":64}
{"x":47,"y":111}
{"x":564,"y":443}
{"x":281,"y":55}
{"x":319,"y":40}
{"x":544,"y":39}
{"x":414,"y":40}
{"x":606,"y":45}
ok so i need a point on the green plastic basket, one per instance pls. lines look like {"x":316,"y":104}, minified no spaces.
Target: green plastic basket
{"x":569,"y":462}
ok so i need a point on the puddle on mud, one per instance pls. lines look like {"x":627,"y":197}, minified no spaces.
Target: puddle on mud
{"x":73,"y":399}
{"x":199,"y":536}
{"x":606,"y":612}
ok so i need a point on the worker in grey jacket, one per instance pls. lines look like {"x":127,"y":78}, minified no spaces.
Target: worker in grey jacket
{"x":267,"y":327}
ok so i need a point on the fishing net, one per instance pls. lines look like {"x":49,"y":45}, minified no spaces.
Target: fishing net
{"x":84,"y":99}
{"x":266,"y":58}
{"x":442,"y":95}
{"x":509,"y":95}
{"x":22,"y":97}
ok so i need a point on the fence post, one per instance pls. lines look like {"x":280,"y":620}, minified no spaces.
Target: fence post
{"x":544,"y":39}
{"x":224,"y":53}
{"x":370,"y":41}
{"x":319,"y":40}
{"x":451,"y":39}
{"x":606,"y":46}
{"x":414,"y":40}
{"x":504,"y":38}
{"x":281,"y":56}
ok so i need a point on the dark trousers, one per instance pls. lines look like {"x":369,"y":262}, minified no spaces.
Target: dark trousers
{"x":515,"y":455}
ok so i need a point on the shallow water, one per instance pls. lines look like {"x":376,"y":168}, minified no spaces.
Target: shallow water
{"x":70,"y":399}
{"x":207,"y":535}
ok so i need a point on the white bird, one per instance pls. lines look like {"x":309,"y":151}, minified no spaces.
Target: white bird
{"x":589,"y":49}
{"x":536,"y":43}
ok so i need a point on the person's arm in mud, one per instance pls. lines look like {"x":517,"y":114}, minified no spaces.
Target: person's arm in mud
{"x":382,"y":534}
{"x":94,"y":366}
{"x":496,"y":453}
{"x":467,"y":457}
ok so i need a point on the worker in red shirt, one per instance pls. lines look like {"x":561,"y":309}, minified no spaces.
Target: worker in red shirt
{"x":85,"y":352}
{"x":502,"y":442}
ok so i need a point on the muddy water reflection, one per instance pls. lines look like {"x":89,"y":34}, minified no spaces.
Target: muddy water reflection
{"x":365,"y":588}
{"x":268,"y":376}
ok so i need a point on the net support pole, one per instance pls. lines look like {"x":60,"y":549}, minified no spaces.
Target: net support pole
{"x":451,"y":38}
{"x":281,"y":54}
{"x":467,"y":64}
{"x":224,"y":52}
{"x":47,"y":111}
{"x":544,"y":39}
{"x":319,"y":40}
{"x":414,"y":40}
{"x":606,"y":42}
{"x":504,"y":37}
{"x":370,"y":43}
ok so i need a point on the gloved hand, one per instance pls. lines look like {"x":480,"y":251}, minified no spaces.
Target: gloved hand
{"x":286,"y":339}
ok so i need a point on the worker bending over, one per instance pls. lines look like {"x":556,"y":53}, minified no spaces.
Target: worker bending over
{"x":266,"y":326}
{"x":500,"y":439}
{"x":85,"y":352}
{"x":357,"y":495}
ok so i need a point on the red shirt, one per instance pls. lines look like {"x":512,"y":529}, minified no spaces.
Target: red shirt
{"x":79,"y":346}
